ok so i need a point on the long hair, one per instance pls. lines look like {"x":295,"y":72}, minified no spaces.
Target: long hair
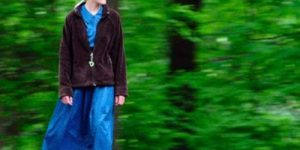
{"x":82,"y":1}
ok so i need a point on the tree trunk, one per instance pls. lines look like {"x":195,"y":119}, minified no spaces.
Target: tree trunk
{"x":117,"y":129}
{"x":182,"y":97}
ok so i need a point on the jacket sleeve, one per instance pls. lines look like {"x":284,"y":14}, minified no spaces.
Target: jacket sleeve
{"x":119,"y":60}
{"x":65,"y":59}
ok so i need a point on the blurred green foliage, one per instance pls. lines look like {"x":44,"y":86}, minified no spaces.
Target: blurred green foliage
{"x":246,"y":83}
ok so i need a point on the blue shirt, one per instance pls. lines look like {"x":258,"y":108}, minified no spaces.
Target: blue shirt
{"x":91,"y":22}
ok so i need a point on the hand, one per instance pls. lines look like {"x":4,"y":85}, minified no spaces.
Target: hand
{"x":119,"y":100}
{"x":67,"y":100}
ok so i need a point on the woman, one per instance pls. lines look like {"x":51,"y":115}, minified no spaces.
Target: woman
{"x":92,"y":79}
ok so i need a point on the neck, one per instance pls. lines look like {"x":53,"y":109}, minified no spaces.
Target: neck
{"x":92,"y":5}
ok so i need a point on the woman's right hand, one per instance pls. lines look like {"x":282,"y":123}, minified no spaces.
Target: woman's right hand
{"x":67,"y":100}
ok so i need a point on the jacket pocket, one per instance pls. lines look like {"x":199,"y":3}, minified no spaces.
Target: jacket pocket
{"x":109,"y":60}
{"x":111,"y":68}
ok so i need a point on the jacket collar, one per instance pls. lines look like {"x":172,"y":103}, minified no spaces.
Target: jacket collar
{"x":106,"y":10}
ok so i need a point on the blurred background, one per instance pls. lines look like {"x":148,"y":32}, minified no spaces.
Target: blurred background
{"x":202,"y":74}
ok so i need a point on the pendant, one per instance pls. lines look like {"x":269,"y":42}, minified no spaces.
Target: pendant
{"x":91,"y":62}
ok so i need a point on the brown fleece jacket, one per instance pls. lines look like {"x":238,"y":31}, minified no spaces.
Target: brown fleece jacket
{"x":81,"y":67}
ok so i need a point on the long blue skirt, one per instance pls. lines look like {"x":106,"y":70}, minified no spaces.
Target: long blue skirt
{"x":87,"y":124}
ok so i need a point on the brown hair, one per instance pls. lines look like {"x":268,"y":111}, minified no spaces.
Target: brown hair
{"x":80,"y":2}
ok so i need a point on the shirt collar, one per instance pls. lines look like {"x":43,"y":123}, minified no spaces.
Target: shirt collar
{"x":105,"y":11}
{"x":99,"y":11}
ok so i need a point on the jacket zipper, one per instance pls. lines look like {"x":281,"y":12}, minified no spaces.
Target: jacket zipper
{"x":95,"y":44}
{"x":91,"y":62}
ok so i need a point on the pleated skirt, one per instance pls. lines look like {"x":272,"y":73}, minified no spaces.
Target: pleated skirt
{"x":87,"y":124}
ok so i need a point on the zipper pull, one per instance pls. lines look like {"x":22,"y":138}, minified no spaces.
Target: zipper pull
{"x":91,"y":62}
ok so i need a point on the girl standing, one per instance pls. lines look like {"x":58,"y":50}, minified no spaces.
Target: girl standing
{"x":92,"y":79}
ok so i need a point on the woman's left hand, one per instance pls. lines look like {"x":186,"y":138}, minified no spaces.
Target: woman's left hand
{"x":119,"y":100}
